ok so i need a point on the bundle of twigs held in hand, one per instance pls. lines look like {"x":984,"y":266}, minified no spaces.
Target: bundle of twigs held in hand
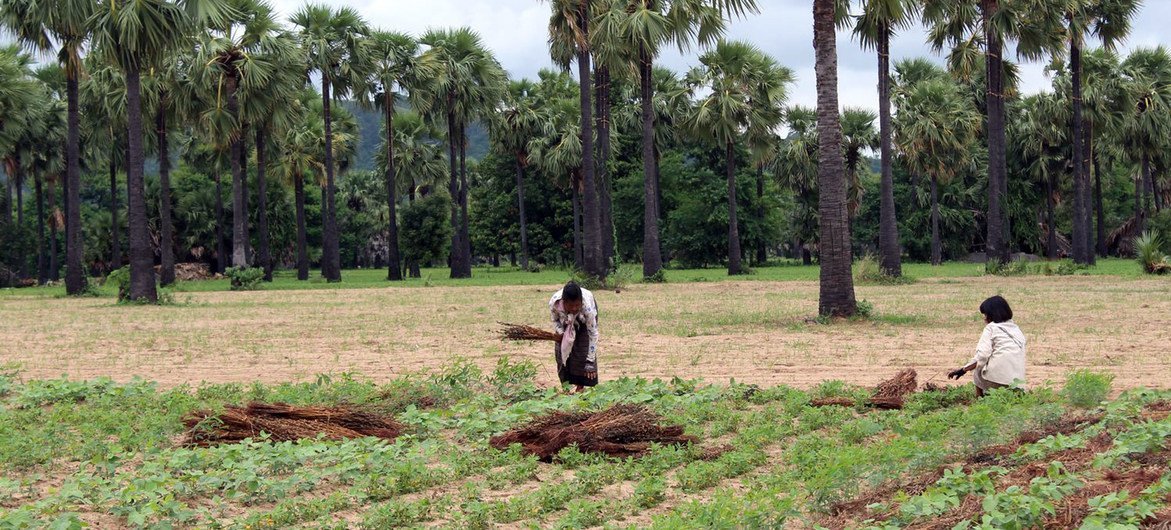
{"x":522,"y":332}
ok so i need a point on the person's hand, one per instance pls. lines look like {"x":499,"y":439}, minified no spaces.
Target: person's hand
{"x":592,"y":375}
{"x":956,"y":374}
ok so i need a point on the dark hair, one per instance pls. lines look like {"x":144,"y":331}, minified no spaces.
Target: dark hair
{"x":996,"y":309}
{"x":571,"y":292}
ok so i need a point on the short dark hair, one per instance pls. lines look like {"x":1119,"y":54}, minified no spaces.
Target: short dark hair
{"x":571,"y":292}
{"x":996,"y":309}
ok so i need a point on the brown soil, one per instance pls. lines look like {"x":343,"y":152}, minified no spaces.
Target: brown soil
{"x":751,"y":331}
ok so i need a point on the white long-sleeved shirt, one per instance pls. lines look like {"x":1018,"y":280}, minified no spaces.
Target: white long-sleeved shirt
{"x":588,"y":315}
{"x":1000,"y":353}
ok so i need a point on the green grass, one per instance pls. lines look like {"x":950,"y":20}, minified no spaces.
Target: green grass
{"x":501,"y":276}
{"x":82,"y":451}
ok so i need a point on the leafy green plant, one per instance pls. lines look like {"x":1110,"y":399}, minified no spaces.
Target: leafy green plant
{"x":868,"y":271}
{"x":1149,"y":251}
{"x":659,"y":276}
{"x":1087,"y":389}
{"x":120,"y":278}
{"x":245,"y":278}
{"x":995,"y":267}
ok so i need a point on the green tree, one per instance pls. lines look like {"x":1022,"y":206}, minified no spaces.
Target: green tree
{"x":797,"y":169}
{"x":745,"y":91}
{"x":1147,"y":74}
{"x":419,"y":163}
{"x":857,"y":134}
{"x":333,"y":43}
{"x":62,"y":27}
{"x":511,"y":130}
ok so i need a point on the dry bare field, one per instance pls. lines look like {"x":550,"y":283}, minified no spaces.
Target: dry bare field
{"x":757,"y":332}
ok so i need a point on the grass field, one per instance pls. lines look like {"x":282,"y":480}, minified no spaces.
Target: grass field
{"x":102,"y":446}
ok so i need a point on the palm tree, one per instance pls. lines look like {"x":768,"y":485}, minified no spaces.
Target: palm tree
{"x":934,"y":130}
{"x":468,"y":82}
{"x":394,"y":68}
{"x":745,"y":92}
{"x":879,"y":20}
{"x":1105,"y":110}
{"x":137,"y":36}
{"x":1041,"y":130}
{"x":968,"y":24}
{"x":514,"y":127}
{"x":557,"y":149}
{"x":569,"y":30}
{"x":645,"y":27}
{"x":418,"y":161}
{"x":300,"y":156}
{"x":66,"y":23}
{"x":333,"y":43}
{"x":797,"y":169}
{"x":1108,"y":20}
{"x":1147,"y":75}
{"x":857,"y":134}
{"x":837,"y":283}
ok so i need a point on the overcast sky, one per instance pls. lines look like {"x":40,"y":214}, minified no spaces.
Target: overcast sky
{"x":516,"y":30}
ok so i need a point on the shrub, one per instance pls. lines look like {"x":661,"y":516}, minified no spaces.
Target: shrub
{"x":868,"y":270}
{"x":658,"y":277}
{"x":995,"y":267}
{"x":121,"y":279}
{"x":245,"y":278}
{"x":1087,"y":389}
{"x":1149,"y":249}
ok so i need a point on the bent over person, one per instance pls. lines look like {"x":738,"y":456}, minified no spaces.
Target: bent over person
{"x":1000,"y":354}
{"x":575,"y":317}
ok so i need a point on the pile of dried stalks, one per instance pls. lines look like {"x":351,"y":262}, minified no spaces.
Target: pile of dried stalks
{"x":621,"y":430}
{"x":890,"y":394}
{"x":285,"y":422}
{"x":522,"y":332}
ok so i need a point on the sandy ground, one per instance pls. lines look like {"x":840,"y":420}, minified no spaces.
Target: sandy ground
{"x":754,"y":332}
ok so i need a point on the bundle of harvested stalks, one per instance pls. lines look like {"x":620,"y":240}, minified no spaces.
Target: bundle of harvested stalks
{"x":285,"y":422}
{"x":522,"y":332}
{"x":621,"y":430}
{"x":832,"y":401}
{"x":890,"y":394}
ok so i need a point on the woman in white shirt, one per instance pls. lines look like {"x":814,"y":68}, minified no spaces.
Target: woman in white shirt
{"x":1000,"y":355}
{"x":575,"y":317}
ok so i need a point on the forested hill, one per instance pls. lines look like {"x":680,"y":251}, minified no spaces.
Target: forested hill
{"x":370,"y":129}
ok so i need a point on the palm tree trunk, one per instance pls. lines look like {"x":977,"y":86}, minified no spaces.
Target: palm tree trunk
{"x":1050,"y":217}
{"x":262,"y":201}
{"x":592,"y":247}
{"x":762,"y":248}
{"x":520,"y":202}
{"x":166,"y":237}
{"x":652,"y":260}
{"x":239,"y":232}
{"x":394,"y":270}
{"x":1147,"y":186}
{"x":453,"y":188}
{"x":74,"y":273}
{"x":1098,"y":207}
{"x":464,"y":235}
{"x":42,"y":262}
{"x":837,"y":283}
{"x":889,"y":250}
{"x":578,"y":252}
{"x":602,"y":89}
{"x":331,"y":255}
{"x":1080,"y":236}
{"x":997,"y":161}
{"x":9,"y":183}
{"x":302,"y":237}
{"x":221,"y":249}
{"x":936,"y":245}
{"x":142,"y":275}
{"x":18,"y":179}
{"x":733,"y":225}
{"x":249,"y":257}
{"x":54,"y":264}
{"x":115,"y":246}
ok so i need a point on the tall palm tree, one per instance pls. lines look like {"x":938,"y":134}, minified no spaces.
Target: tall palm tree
{"x":935,"y":129}
{"x":967,"y":25}
{"x":646,"y":27}
{"x":797,"y":169}
{"x":418,"y":160}
{"x":569,"y":30}
{"x":1109,"y":20}
{"x":468,"y":83}
{"x":745,"y":92}
{"x":300,"y":155}
{"x":137,"y":36}
{"x":879,"y":20}
{"x":1147,"y":75}
{"x":837,"y":283}
{"x":394,"y":67}
{"x":66,"y":25}
{"x":1041,"y":129}
{"x":512,"y":130}
{"x":333,"y":43}
{"x":1105,"y":110}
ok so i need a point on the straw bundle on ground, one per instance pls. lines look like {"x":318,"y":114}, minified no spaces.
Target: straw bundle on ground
{"x":891,"y":393}
{"x":621,"y":430}
{"x":285,"y":422}
{"x":522,"y":332}
{"x":832,"y":401}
